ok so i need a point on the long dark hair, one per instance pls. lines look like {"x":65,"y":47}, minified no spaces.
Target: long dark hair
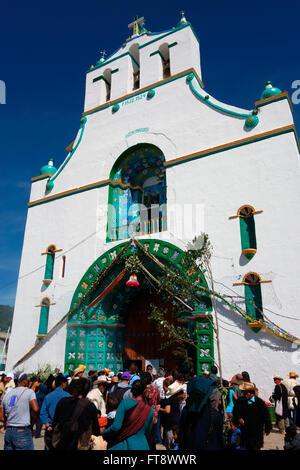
{"x":138,"y":389}
{"x":79,"y":387}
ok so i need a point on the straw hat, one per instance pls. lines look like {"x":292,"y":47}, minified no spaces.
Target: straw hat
{"x":277,"y":377}
{"x":102,"y":379}
{"x":293,"y":375}
{"x":174,"y":388}
{"x":77,"y":371}
{"x":248,"y":386}
{"x":237,"y":379}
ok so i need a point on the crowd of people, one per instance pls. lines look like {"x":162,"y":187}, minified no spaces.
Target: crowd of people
{"x":138,"y":410}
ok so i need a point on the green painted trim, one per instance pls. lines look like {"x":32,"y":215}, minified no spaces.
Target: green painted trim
{"x":272,"y":99}
{"x":41,"y":177}
{"x":248,"y":235}
{"x":216,"y":106}
{"x":43,"y":324}
{"x":100,"y":184}
{"x":168,"y":34}
{"x":174,"y":163}
{"x":172,"y":45}
{"x":49,"y":266}
{"x":144,"y":90}
{"x":163,"y":252}
{"x":84,"y":119}
{"x":101,"y":78}
{"x":253,"y":294}
{"x":231,"y":146}
{"x":204,"y":328}
{"x":112,"y":60}
{"x":158,"y":52}
{"x":166,"y":252}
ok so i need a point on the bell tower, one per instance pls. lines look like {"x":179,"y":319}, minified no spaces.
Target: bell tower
{"x":143,"y":59}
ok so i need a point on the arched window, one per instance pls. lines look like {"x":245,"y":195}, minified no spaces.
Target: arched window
{"x":135,"y":60}
{"x":137,"y":194}
{"x":253,"y":298}
{"x":50,"y":253}
{"x":165,"y":56}
{"x":247,"y":229}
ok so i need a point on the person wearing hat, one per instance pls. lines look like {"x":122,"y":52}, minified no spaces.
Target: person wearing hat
{"x":9,"y":382}
{"x":253,"y":416}
{"x":98,"y":394}
{"x":78,"y":373}
{"x":172,"y":410}
{"x":290,"y":383}
{"x":18,"y":410}
{"x":234,"y":393}
{"x":122,"y":389}
{"x":280,"y":396}
{"x":201,"y":425}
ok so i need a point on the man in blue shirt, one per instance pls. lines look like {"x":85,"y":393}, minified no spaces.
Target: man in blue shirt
{"x":49,"y":405}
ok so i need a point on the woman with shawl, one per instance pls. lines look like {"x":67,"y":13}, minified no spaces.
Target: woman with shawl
{"x":133,"y":422}
{"x":201,"y":425}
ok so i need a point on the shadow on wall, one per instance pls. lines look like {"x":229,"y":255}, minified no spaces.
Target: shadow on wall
{"x":263,"y":337}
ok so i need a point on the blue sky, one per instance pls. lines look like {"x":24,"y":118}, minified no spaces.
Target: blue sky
{"x":47,"y":47}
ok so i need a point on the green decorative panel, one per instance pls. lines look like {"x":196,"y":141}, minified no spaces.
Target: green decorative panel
{"x":95,"y":336}
{"x":205,"y":341}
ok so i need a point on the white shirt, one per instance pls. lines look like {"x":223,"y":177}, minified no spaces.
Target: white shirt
{"x":96,"y":397}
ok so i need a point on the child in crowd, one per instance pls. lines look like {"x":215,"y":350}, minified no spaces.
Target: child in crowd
{"x":112,"y":405}
{"x":174,"y":439}
{"x":235,"y":436}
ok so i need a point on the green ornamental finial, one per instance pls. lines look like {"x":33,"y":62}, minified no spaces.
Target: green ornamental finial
{"x":269,"y":91}
{"x":50,"y":168}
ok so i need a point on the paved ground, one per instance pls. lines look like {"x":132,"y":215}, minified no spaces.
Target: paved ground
{"x":274,"y":441}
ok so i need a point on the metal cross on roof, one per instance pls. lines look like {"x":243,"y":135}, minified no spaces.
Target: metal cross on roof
{"x":135,"y":24}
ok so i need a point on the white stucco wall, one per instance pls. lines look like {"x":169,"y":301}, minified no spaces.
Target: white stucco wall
{"x":264,"y":174}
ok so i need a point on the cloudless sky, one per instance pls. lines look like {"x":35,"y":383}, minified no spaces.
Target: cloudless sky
{"x":47,"y":47}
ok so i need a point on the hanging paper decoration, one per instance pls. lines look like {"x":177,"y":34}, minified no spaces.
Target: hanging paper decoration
{"x":132,"y":281}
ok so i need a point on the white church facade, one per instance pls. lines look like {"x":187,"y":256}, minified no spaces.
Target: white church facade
{"x":157,"y":160}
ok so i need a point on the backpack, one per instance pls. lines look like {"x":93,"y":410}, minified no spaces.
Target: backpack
{"x":66,"y":435}
{"x":119,"y":392}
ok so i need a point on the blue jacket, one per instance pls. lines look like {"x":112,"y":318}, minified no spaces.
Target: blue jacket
{"x":49,"y":404}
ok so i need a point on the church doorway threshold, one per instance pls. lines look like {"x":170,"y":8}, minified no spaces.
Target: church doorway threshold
{"x":142,"y":342}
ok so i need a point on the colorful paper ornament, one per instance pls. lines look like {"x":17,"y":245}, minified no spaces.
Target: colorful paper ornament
{"x":132,"y":281}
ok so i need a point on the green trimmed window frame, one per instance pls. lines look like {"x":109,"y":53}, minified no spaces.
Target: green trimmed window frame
{"x":44,"y":318}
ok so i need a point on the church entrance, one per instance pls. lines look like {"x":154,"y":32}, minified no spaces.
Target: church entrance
{"x":108,"y":324}
{"x":142,"y":341}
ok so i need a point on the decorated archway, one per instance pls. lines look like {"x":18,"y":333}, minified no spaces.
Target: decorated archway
{"x":109,"y":322}
{"x":137,"y":193}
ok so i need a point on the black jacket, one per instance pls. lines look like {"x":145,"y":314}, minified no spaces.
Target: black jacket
{"x":256,"y":421}
{"x":280,"y":391}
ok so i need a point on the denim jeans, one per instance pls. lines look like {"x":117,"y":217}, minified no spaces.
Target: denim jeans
{"x":18,"y":439}
{"x":292,"y":417}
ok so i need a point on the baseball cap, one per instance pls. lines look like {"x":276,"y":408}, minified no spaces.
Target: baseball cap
{"x":125,"y":376}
